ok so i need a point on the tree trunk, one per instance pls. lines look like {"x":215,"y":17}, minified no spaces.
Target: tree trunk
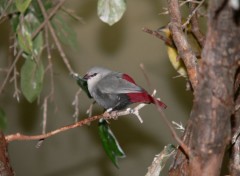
{"x":5,"y":167}
{"x":208,"y":130}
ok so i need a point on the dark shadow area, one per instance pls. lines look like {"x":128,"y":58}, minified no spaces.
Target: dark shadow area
{"x":86,"y":10}
{"x":28,"y":114}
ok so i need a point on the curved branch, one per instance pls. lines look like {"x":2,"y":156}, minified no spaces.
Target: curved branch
{"x":87,"y":121}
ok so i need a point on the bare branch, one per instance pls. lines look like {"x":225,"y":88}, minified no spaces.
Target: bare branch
{"x":195,"y":25}
{"x":158,"y":35}
{"x":75,"y":103}
{"x":87,"y":121}
{"x":55,"y":38}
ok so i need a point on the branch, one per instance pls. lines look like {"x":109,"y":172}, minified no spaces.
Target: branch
{"x":195,"y":25}
{"x":55,"y":38}
{"x":158,"y":35}
{"x":87,"y":121}
{"x":181,"y":42}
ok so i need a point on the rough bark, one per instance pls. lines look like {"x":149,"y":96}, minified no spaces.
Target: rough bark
{"x":208,"y":130}
{"x":234,"y":165}
{"x":5,"y":167}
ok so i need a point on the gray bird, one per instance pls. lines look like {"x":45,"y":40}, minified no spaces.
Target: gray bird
{"x":115,"y":91}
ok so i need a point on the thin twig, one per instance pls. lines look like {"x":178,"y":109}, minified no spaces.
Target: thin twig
{"x":17,"y":91}
{"x":4,"y":13}
{"x":175,"y":136}
{"x":181,"y":43}
{"x":75,"y":103}
{"x":158,"y":35}
{"x":44,"y":123}
{"x":185,"y":148}
{"x":195,"y":25}
{"x":55,"y":38}
{"x":72,"y":14}
{"x":193,"y":13}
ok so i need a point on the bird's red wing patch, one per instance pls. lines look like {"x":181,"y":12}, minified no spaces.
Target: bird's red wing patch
{"x":142,"y":97}
{"x":128,"y":78}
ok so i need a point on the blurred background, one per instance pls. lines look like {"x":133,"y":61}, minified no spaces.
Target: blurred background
{"x":121,"y":47}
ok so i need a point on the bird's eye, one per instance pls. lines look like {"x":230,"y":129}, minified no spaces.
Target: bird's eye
{"x":93,"y":74}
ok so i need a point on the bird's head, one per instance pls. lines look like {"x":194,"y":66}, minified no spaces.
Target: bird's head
{"x":95,"y":74}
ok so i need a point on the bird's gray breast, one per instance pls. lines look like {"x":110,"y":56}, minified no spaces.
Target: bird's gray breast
{"x":109,"y":100}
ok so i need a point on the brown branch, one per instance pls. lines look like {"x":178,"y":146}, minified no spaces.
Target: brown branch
{"x":33,"y":36}
{"x":181,"y":42}
{"x":87,"y":121}
{"x":4,"y":13}
{"x":55,"y":38}
{"x":21,"y":137}
{"x":183,"y":146}
{"x":158,"y":35}
{"x":195,"y":25}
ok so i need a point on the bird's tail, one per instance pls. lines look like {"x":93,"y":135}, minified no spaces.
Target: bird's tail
{"x":157,"y":102}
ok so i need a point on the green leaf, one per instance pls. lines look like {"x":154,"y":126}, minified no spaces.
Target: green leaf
{"x":22,"y":5}
{"x":82,"y":83}
{"x":24,"y":35}
{"x":111,"y":11}
{"x":14,"y":22}
{"x":48,"y":4}
{"x":31,"y":79}
{"x":3,"y":119}
{"x":65,"y":33}
{"x":110,"y":143}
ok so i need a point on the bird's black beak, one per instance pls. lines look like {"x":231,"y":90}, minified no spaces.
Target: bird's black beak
{"x":86,"y":77}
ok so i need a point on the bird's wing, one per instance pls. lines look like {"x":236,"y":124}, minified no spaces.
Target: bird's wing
{"x":116,"y":84}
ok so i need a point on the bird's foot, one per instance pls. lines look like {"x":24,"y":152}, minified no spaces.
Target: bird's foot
{"x":110,"y":114}
{"x":135,"y":111}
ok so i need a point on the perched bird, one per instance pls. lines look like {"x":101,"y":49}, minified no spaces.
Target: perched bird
{"x":115,"y":91}
{"x":172,"y":52}
{"x":174,"y":58}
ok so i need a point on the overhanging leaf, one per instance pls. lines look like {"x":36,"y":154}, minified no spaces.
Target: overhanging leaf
{"x":65,"y":33}
{"x":3,"y":120}
{"x":24,"y":37}
{"x":111,"y":11}
{"x":22,"y":5}
{"x":25,"y":29}
{"x":110,"y":143}
{"x":31,"y":79}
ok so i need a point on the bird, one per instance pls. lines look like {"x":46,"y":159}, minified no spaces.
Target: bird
{"x":172,"y":51}
{"x":176,"y":62}
{"x":115,"y":90}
